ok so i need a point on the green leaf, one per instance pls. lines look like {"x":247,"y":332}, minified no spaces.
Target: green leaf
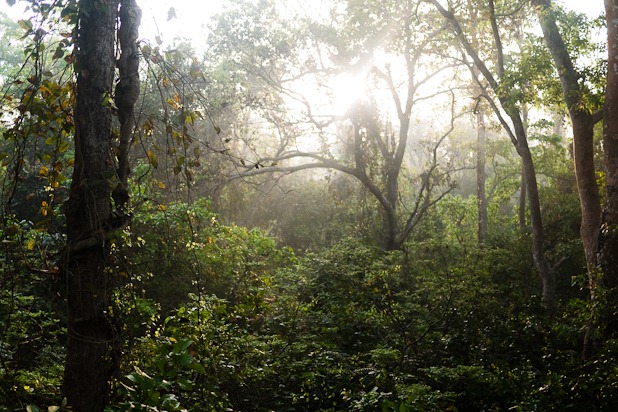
{"x":58,"y":54}
{"x":181,"y":346}
{"x":198,"y":367}
{"x":185,"y":384}
{"x":25,"y":24}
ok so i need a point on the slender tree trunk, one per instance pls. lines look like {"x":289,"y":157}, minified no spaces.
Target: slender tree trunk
{"x":608,"y":250}
{"x":481,"y":136}
{"x":545,"y":272}
{"x":88,"y":212}
{"x":481,"y":177}
{"x":523,"y":191}
{"x":589,"y":198}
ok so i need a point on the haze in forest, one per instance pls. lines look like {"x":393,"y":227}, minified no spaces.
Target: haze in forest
{"x":340,"y":205}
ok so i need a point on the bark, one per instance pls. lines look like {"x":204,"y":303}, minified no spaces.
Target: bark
{"x":519,"y":138}
{"x":127,"y":92}
{"x":523,"y":191}
{"x":481,"y":177}
{"x":583,"y":133}
{"x":481,"y":136}
{"x":608,"y":242}
{"x":88,"y":212}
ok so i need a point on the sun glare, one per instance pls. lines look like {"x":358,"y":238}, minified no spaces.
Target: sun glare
{"x":347,"y":90}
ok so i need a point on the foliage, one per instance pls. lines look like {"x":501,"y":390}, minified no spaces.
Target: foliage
{"x":31,"y":334}
{"x":210,"y":315}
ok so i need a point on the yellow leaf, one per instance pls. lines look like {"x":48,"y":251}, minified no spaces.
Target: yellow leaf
{"x":44,"y":170}
{"x":173,"y":340}
{"x":30,"y":246}
{"x":161,"y":185}
{"x":162,"y":208}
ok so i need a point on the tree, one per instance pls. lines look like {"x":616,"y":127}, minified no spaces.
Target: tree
{"x":608,"y":242}
{"x":89,"y":214}
{"x":583,"y":117}
{"x":506,"y":98}
{"x":393,"y":53}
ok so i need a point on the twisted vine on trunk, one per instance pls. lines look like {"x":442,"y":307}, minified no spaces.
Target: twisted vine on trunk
{"x":126,"y":93}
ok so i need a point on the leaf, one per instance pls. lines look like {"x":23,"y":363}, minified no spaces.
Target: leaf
{"x":58,"y":54}
{"x":162,"y":207}
{"x":43,"y":171}
{"x":171,"y":14}
{"x":152,"y":159}
{"x":30,"y":245}
{"x":25,"y":24}
{"x":158,"y":40}
{"x":10,"y":2}
{"x":64,"y":146}
{"x":185,"y":384}
{"x":182,"y":345}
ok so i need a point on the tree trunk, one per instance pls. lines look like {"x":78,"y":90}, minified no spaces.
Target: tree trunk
{"x":481,"y":177}
{"x":88,"y":212}
{"x":583,"y":133}
{"x":545,"y":272}
{"x":523,"y":191}
{"x":608,"y":242}
{"x":481,"y":136}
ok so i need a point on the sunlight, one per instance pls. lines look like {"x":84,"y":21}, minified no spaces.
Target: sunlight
{"x":348,"y":89}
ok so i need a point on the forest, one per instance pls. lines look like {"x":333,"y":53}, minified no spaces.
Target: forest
{"x":336,"y":205}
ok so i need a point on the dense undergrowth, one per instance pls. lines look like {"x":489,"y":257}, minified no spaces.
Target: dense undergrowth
{"x":214,"y":317}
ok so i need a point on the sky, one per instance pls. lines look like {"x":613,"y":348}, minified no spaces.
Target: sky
{"x":192,"y":14}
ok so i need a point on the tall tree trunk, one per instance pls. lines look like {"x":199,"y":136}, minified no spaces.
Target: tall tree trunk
{"x":523,"y":192}
{"x":481,"y":136}
{"x":545,"y":272}
{"x":608,"y":242}
{"x":583,"y":133}
{"x":88,"y":211}
{"x":481,"y":177}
